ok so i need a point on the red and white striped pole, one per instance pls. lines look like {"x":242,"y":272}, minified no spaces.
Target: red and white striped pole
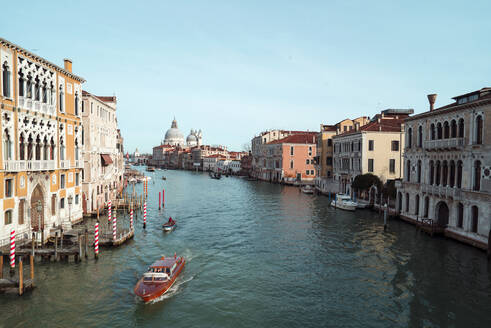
{"x":159,"y":201}
{"x":163,"y":197}
{"x":109,"y":210}
{"x":12,"y":249}
{"x":144,"y":215}
{"x":114,"y":227}
{"x":131,"y":220}
{"x":96,"y":240}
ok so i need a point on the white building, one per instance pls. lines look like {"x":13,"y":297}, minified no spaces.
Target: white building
{"x":103,"y":152}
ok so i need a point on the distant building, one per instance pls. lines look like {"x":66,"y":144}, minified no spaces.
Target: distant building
{"x":447,"y":175}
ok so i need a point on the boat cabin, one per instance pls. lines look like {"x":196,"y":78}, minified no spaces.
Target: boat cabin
{"x":161,"y":270}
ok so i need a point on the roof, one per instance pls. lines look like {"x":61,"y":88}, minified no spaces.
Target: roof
{"x":305,"y":138}
{"x":215,"y":156}
{"x":107,"y":98}
{"x":41,"y":60}
{"x":380,"y":125}
{"x":164,"y":146}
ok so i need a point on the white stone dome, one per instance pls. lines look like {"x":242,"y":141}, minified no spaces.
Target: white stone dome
{"x":173,"y":136}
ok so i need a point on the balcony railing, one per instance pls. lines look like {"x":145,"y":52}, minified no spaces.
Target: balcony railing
{"x":442,"y":191}
{"x":453,"y":143}
{"x":23,"y":165}
{"x":79,"y":163}
{"x":39,"y":106}
{"x":64,"y":164}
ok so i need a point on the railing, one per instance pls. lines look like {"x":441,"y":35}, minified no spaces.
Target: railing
{"x":23,"y":165}
{"x":64,"y":164}
{"x":39,"y":106}
{"x":442,"y":191}
{"x":78,"y":163}
{"x":443,"y":144}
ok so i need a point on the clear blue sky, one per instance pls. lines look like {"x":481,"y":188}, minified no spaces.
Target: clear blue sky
{"x":235,"y":68}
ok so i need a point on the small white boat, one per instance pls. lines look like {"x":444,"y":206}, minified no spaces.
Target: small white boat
{"x":344,"y":202}
{"x":307,"y":189}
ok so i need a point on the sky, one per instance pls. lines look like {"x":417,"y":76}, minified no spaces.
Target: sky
{"x":236,"y":68}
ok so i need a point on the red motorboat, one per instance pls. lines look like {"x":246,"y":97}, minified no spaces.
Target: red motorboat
{"x":160,"y":276}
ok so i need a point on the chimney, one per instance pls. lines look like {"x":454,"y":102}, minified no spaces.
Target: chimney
{"x":68,"y":64}
{"x":357,"y":126}
{"x":431,"y":99}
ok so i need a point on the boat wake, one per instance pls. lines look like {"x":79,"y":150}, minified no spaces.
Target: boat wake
{"x":174,"y":290}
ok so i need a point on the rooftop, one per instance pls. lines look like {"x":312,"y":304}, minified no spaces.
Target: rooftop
{"x":304,"y":138}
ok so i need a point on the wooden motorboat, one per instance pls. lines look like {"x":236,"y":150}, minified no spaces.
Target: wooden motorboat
{"x":169,"y":226}
{"x":344,"y":202}
{"x":160,"y":276}
{"x":307,"y":189}
{"x":150,"y":169}
{"x":215,"y":175}
{"x":164,"y":178}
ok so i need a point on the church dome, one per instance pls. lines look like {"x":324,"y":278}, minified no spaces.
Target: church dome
{"x":173,"y":136}
{"x":191,"y":138}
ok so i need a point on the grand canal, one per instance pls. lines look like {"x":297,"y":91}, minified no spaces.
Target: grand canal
{"x":264,"y":255}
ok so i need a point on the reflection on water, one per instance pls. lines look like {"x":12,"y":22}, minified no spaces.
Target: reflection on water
{"x":264,"y":255}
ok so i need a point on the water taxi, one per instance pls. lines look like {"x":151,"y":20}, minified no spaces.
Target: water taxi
{"x":307,"y":189}
{"x":344,"y":202}
{"x":160,"y":276}
{"x":150,"y":169}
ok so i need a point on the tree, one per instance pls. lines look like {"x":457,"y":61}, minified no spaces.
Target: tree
{"x":364,"y":182}
{"x":246,"y":147}
{"x":390,"y":189}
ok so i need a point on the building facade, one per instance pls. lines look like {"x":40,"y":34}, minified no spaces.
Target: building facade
{"x":375,"y":148}
{"x":102,"y":151}
{"x":41,"y":150}
{"x":447,"y":176}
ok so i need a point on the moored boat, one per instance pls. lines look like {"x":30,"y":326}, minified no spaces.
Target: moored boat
{"x":150,"y":169}
{"x":344,"y":202}
{"x":161,"y":275}
{"x":307,"y":189}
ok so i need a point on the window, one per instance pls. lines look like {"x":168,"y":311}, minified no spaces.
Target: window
{"x":460,"y":217}
{"x":62,"y":181}
{"x":291,"y":164}
{"x":479,"y":130}
{"x":307,"y":161}
{"x":408,"y":171}
{"x":370,"y":165}
{"x":477,"y":176}
{"x":459,"y":174}
{"x":452,"y":174}
{"x":6,"y":80}
{"x":76,"y":199}
{"x":291,"y":150}
{"x":395,"y":145}
{"x":307,"y":172}
{"x":409,"y":138}
{"x":311,"y":172}
{"x":21,"y":211}
{"x":453,"y":129}
{"x":62,"y":98}
{"x":419,"y":171}
{"x":329,"y":142}
{"x":392,"y":165}
{"x":370,"y":144}
{"x":8,"y":217}
{"x":416,"y":205}
{"x":437,"y":178}
{"x":407,"y":203}
{"x":446,"y":130}
{"x":328,"y":173}
{"x":427,"y":206}
{"x":329,"y":160}
{"x":432,"y":131}
{"x":475,"y":219}
{"x":77,"y":179}
{"x":9,"y":185}
{"x":21,"y":85}
{"x":53,"y":204}
{"x":420,"y":136}
{"x":76,"y":103}
{"x":439,"y":132}
{"x":444,"y":173}
{"x":432,"y":172}
{"x":461,"y":128}
{"x":62,"y":203}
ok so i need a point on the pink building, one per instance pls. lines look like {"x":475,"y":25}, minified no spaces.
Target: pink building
{"x":290,"y":159}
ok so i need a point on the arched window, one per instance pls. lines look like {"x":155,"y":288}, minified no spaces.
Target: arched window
{"x":76,"y":110}
{"x":409,"y":138}
{"x":22,"y":146}
{"x":453,"y":129}
{"x":419,"y":171}
{"x":427,"y":206}
{"x":460,"y":215}
{"x":408,"y":170}
{"x":407,"y":203}
{"x":45,"y":93}
{"x":432,"y":131}
{"x":8,"y":217}
{"x":438,"y":173}
{"x":432,"y":173}
{"x":29,"y":87}
{"x":416,"y":205}
{"x":459,"y":174}
{"x":461,"y":128}
{"x":52,"y":94}
{"x":475,"y":219}
{"x":37,"y":90}
{"x":477,"y":176}
{"x":52,"y":150}
{"x":420,"y":136}
{"x":439,"y":131}
{"x":446,"y":130}
{"x":479,"y":129}
{"x":45,"y":148}
{"x":62,"y":97}
{"x":38,"y":148}
{"x":21,"y":84}
{"x":62,"y":150}
{"x":7,"y":145}
{"x":452,"y":174}
{"x":6,"y":80}
{"x":444,"y":173}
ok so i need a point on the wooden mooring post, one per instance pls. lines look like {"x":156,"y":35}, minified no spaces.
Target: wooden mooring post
{"x":489,"y":245}
{"x":31,"y":262}
{"x":56,"y":246}
{"x":1,"y":265}
{"x":21,"y":277}
{"x":86,"y":241}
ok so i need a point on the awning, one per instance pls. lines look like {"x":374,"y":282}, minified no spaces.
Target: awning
{"x":106,"y":159}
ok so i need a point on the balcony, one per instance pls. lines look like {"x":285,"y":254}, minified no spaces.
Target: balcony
{"x":37,"y":165}
{"x":442,"y":191}
{"x":443,"y":144}
{"x":79,"y":163}
{"x":64,"y":164}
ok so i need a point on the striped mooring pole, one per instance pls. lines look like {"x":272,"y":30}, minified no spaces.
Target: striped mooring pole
{"x":159,"y":201}
{"x":109,"y":210}
{"x":163,"y":197}
{"x":12,"y":249}
{"x":96,"y":240}
{"x":131,"y":220}
{"x":114,"y":227}
{"x":144,"y":215}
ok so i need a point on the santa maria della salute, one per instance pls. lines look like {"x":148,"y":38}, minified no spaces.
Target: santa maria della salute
{"x":174,"y":137}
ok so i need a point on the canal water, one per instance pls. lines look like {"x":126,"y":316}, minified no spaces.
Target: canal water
{"x":264,"y":255}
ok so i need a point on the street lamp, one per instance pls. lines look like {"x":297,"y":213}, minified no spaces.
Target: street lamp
{"x":39,"y":208}
{"x":70,"y":201}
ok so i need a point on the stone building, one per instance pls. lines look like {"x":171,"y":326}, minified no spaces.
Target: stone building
{"x":41,"y":149}
{"x":375,"y":147}
{"x":447,"y":175}
{"x":103,"y":152}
